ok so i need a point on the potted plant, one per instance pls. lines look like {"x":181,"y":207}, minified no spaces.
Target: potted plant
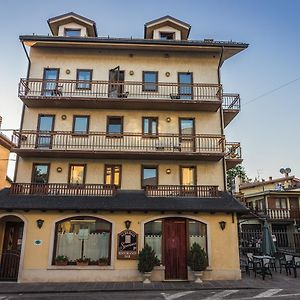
{"x":103,"y":261}
{"x":61,"y":260}
{"x":147,"y":260}
{"x":83,"y":261}
{"x":197,"y":260}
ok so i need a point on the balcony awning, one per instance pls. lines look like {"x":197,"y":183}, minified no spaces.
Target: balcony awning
{"x":125,"y":200}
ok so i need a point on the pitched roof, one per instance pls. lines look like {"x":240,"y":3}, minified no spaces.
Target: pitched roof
{"x":123,"y":201}
{"x":69,"y":17}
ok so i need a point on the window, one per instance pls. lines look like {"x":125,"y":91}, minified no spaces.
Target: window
{"x":40,"y":173}
{"x":167,"y":35}
{"x":185,"y":81}
{"x":77,"y":174}
{"x":84,"y":78}
{"x":72,"y":32}
{"x":150,"y":79}
{"x":150,"y":125}
{"x":81,"y":124}
{"x":112,"y":175}
{"x":188,"y":175}
{"x":149,"y":175}
{"x":280,"y":203}
{"x":50,"y":85}
{"x":114,"y":125}
{"x":80,"y":237}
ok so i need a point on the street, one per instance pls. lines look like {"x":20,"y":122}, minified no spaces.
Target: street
{"x":243,"y":294}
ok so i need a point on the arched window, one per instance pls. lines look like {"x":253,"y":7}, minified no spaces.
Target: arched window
{"x":83,"y":238}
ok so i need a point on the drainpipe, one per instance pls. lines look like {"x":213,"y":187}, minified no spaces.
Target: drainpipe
{"x":221,"y":118}
{"x":23,"y":108}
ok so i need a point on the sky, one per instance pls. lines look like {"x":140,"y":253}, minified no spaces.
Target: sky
{"x":266,"y":75}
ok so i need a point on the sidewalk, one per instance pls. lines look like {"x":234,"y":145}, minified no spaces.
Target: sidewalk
{"x":278,"y":281}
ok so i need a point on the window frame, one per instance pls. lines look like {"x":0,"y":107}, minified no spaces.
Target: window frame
{"x":84,"y":174}
{"x":150,"y":133}
{"x":113,"y":134}
{"x":143,"y":167}
{"x":144,"y":89}
{"x":167,"y":33}
{"x":181,"y":174}
{"x":33,"y":168}
{"x":87,"y":82}
{"x":110,"y":254}
{"x":72,"y":29}
{"x":87,"y":125}
{"x":106,"y":166}
{"x":280,"y":201}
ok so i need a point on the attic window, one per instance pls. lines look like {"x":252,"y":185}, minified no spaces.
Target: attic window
{"x":72,"y":32}
{"x":167,"y":35}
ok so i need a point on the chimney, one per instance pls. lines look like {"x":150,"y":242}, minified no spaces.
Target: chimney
{"x":270,"y":178}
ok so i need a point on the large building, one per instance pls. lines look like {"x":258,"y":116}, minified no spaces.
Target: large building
{"x":121,"y":144}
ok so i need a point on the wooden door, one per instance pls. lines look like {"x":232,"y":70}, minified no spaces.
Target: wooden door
{"x":11,"y":251}
{"x":294,"y":208}
{"x":175,"y":249}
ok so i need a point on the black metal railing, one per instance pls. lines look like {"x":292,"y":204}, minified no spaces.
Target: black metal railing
{"x":126,"y":142}
{"x":233,"y":150}
{"x":9,"y":265}
{"x":231,"y":101}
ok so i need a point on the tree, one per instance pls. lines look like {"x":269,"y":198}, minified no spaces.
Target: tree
{"x":239,"y":171}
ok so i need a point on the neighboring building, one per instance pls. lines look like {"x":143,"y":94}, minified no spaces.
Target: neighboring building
{"x":5,"y":147}
{"x":277,"y":200}
{"x":121,"y":144}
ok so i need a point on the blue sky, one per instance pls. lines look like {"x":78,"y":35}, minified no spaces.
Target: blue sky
{"x":267,"y":127}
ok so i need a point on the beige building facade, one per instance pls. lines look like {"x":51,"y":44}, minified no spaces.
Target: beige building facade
{"x":121,"y":144}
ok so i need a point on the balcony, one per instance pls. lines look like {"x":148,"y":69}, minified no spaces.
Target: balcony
{"x":120,"y":95}
{"x":126,"y":145}
{"x":231,"y":107}
{"x":62,"y":189}
{"x":206,"y":191}
{"x":233,"y":154}
{"x":278,"y":213}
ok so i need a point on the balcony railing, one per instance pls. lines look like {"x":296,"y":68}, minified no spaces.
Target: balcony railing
{"x":62,"y":189}
{"x":207,"y":191}
{"x":126,"y":142}
{"x":124,"y":90}
{"x":278,"y":213}
{"x":233,"y":150}
{"x":231,"y":101}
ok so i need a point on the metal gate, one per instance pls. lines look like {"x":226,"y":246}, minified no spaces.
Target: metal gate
{"x":9,"y":266}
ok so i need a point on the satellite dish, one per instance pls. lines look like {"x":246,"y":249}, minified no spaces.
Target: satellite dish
{"x":282,"y":170}
{"x":288,"y":170}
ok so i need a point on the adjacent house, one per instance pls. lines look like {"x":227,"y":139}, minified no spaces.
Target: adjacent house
{"x":121,"y":144}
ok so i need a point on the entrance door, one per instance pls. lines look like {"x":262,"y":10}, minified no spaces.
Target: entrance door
{"x":11,"y":251}
{"x":116,"y":83}
{"x":45,"y":128}
{"x":175,"y":249}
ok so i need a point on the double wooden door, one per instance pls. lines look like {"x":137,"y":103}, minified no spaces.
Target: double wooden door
{"x":175,"y":249}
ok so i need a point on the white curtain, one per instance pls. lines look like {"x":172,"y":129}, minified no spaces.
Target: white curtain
{"x":95,"y":247}
{"x":154,"y":241}
{"x":199,"y":239}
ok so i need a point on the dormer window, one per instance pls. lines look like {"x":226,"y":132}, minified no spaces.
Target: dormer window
{"x":72,"y":32}
{"x":167,"y":35}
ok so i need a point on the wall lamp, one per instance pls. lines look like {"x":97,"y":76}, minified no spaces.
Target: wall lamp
{"x":222,"y":224}
{"x":39,"y":223}
{"x":168,"y":171}
{"x":127,"y":224}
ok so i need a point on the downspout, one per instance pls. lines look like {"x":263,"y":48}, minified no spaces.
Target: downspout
{"x":221,"y":117}
{"x":23,"y":109}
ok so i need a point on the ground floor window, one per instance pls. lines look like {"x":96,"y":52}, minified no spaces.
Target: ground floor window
{"x":83,"y":239}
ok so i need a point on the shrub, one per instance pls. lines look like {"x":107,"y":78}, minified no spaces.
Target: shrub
{"x":147,"y":259}
{"x":61,"y":258}
{"x":197,"y":258}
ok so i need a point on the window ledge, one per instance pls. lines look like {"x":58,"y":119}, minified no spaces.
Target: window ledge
{"x":80,"y":268}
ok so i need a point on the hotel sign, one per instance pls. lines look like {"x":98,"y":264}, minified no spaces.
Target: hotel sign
{"x":127,"y":245}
